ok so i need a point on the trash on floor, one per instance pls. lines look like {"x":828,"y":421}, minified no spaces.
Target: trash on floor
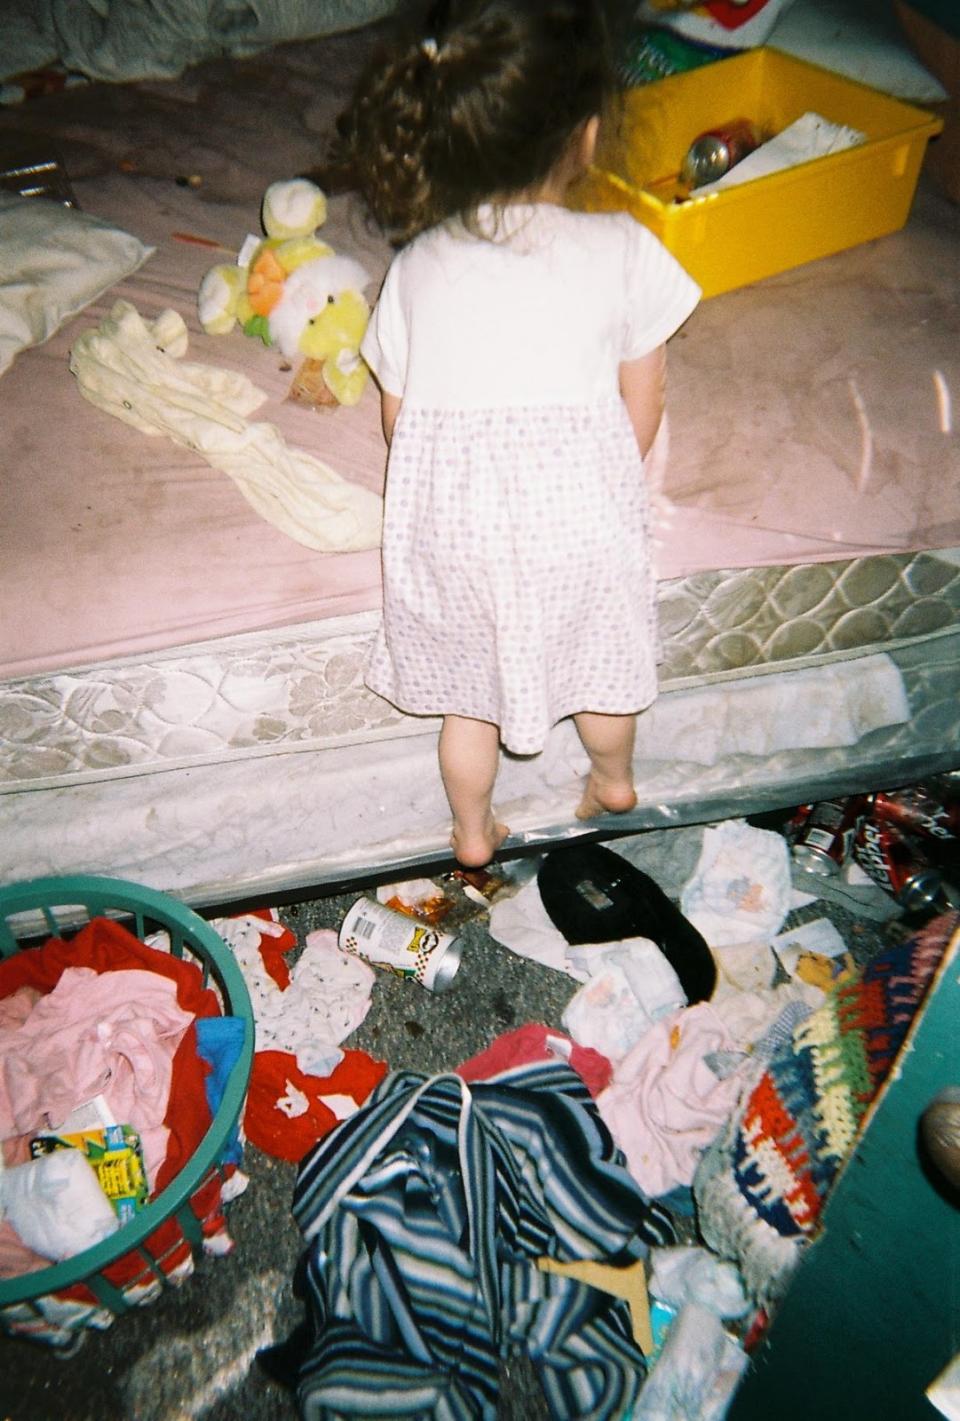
{"x":631,"y":986}
{"x":593,"y":895}
{"x":395,"y":943}
{"x":306,"y":1011}
{"x":680,"y":1034}
{"x":907,"y":841}
{"x":288,"y":1109}
{"x":302,"y":1082}
{"x":741,"y":889}
{"x":696,"y":1373}
{"x":814,"y":953}
{"x":665,"y":1103}
{"x":419,"y":897}
{"x":534,"y":1043}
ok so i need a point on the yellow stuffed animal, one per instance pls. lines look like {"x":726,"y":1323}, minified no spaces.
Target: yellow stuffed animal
{"x":291,"y":290}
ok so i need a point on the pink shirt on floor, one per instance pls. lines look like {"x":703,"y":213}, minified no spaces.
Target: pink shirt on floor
{"x":665,"y":1105}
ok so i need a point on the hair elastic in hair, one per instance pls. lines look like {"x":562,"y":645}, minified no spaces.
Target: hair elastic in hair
{"x":430,"y":48}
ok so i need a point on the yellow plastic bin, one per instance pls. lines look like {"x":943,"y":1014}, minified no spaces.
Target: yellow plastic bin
{"x":736,"y":236}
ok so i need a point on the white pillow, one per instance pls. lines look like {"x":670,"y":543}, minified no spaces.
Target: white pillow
{"x":861,"y":40}
{"x":54,"y":261}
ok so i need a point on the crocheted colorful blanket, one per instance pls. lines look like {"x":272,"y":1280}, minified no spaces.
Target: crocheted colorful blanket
{"x":761,"y":1187}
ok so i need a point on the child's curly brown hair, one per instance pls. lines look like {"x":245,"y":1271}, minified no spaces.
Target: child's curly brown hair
{"x":478,"y":102}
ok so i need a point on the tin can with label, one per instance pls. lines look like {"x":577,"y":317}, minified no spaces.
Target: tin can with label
{"x":400,"y":944}
{"x":921,"y":809}
{"x":715,"y":152}
{"x":897,"y":862}
{"x":821,"y":835}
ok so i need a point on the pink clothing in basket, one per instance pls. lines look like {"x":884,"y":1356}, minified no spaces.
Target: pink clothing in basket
{"x":112,"y":1034}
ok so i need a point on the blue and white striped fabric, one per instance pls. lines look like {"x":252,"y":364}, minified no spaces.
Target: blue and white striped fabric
{"x":424,"y":1215}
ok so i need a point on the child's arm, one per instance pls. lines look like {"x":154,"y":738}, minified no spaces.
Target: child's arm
{"x":642,"y":384}
{"x":389,"y":409}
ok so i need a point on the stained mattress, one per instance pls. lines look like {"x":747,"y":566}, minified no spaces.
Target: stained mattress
{"x":264,"y":694}
{"x":241,"y":828}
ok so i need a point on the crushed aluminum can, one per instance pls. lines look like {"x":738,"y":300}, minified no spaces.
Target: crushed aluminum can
{"x":922,"y":809}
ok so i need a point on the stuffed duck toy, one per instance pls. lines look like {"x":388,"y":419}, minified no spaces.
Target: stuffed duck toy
{"x":291,"y":290}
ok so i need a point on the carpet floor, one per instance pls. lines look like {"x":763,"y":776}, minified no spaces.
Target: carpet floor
{"x":191,"y":1355}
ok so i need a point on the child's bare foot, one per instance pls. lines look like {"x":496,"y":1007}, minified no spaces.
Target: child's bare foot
{"x":476,"y":850}
{"x":605,"y":797}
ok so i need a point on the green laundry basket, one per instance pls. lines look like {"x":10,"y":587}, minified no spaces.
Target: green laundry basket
{"x":57,"y":906}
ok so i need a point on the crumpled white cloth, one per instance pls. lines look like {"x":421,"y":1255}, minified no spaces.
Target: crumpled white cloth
{"x":56,"y":1205}
{"x":697,"y":1372}
{"x":328,"y":997}
{"x":631,"y":986}
{"x":741,"y":888}
{"x":750,"y":1016}
{"x":523,"y":924}
{"x":691,"y":1274}
{"x":743,"y":967}
{"x":134,"y":370}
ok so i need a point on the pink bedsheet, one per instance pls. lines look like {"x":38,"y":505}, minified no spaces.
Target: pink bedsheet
{"x":811,"y":416}
{"x":817,"y":414}
{"x":118,"y":542}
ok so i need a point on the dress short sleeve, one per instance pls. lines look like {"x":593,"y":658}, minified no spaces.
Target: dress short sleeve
{"x":658,"y":294}
{"x":385,"y":343}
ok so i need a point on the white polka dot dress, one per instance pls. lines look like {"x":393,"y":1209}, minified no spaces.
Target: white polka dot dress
{"x":517,"y":578}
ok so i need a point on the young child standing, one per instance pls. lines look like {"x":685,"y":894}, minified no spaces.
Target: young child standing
{"x":519,"y":348}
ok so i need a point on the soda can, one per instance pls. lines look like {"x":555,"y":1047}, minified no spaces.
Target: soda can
{"x":896,"y":862}
{"x":921,"y":809}
{"x":821,"y":835}
{"x":400,"y":944}
{"x":715,"y":152}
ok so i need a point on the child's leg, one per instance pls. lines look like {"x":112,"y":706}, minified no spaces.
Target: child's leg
{"x":608,"y":740}
{"x":469,"y":757}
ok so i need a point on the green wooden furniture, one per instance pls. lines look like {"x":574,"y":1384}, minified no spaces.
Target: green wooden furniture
{"x":873,"y":1312}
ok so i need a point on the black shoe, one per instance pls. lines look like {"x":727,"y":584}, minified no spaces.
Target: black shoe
{"x":594,"y":895}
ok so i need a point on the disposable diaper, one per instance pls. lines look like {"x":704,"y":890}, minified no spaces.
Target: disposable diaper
{"x":56,"y":1204}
